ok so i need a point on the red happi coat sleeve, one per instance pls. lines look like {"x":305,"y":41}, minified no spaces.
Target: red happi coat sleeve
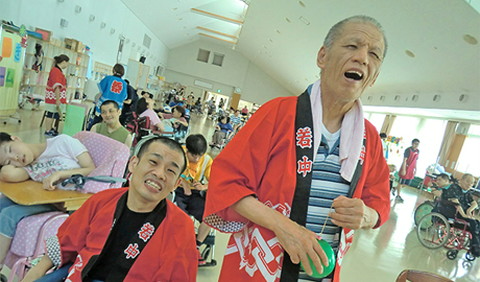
{"x":373,"y":187}
{"x":56,"y":78}
{"x":75,"y":234}
{"x":241,"y":168}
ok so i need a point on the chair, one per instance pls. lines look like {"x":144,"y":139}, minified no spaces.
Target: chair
{"x":110,"y":158}
{"x":139,"y":127}
{"x":420,"y":276}
{"x":29,"y":241}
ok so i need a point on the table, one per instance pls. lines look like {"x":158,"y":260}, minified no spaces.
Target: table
{"x":31,"y":193}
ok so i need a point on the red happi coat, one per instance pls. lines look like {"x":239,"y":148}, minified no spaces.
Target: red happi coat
{"x":56,"y":78}
{"x":411,"y":163}
{"x":261,"y":161}
{"x":170,"y":255}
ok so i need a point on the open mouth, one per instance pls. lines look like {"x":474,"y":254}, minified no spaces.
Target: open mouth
{"x":153,"y":185}
{"x":355,"y":75}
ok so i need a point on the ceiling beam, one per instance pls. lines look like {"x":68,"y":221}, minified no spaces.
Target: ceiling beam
{"x":217,"y":32}
{"x":216,"y":16}
{"x":218,"y":38}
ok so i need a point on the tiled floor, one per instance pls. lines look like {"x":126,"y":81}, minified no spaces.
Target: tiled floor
{"x":376,"y":255}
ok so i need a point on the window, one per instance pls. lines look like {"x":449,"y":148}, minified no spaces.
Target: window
{"x":218,"y":59}
{"x":376,"y":119}
{"x":430,"y":133}
{"x":203,"y":55}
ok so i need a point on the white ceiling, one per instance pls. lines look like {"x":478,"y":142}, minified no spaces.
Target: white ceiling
{"x":283,"y":36}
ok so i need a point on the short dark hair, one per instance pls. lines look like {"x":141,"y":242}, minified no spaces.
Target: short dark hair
{"x":110,"y":102}
{"x":179,"y":109}
{"x":141,"y":106}
{"x":336,"y":30}
{"x":196,"y":144}
{"x":383,"y":135}
{"x":60,"y":59}
{"x":118,"y":70}
{"x":4,"y":138}
{"x":415,"y":140}
{"x":444,"y":176}
{"x":143,"y":145}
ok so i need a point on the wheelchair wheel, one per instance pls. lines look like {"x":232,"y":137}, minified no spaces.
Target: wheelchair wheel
{"x":206,"y":252}
{"x":469,"y":256}
{"x":422,"y":210}
{"x":433,"y":230}
{"x":452,"y":254}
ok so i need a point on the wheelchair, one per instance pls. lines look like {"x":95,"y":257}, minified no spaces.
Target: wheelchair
{"x":435,"y":230}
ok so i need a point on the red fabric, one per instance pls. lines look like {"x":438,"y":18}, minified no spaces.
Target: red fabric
{"x":267,"y":141}
{"x":56,"y":78}
{"x":168,"y":256}
{"x":411,"y":163}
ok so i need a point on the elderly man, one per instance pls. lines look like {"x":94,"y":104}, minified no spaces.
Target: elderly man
{"x":131,"y":234}
{"x":304,"y":161}
{"x":462,"y":196}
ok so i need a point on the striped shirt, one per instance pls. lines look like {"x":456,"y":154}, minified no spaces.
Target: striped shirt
{"x":327,"y":184}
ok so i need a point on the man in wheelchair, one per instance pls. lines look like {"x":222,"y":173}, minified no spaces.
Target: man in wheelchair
{"x":457,"y":202}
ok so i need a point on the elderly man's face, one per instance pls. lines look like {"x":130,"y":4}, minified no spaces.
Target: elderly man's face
{"x":353,"y":61}
{"x":466,"y":183}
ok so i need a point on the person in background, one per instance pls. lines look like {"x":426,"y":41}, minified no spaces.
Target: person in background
{"x":190,"y":195}
{"x":56,"y":95}
{"x":110,"y":125}
{"x":130,"y":104}
{"x":222,"y":130}
{"x":236,"y":120}
{"x":393,"y":177}
{"x":245,"y":111}
{"x":128,"y":234}
{"x":462,"y":196}
{"x":304,"y":161}
{"x":147,"y":95}
{"x":145,"y":109}
{"x":50,"y":163}
{"x":442,"y":182}
{"x":383,"y":137}
{"x":112,"y":87}
{"x":408,"y":167}
{"x":177,"y":118}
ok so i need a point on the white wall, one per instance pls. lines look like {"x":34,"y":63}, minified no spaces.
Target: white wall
{"x":188,"y":80}
{"x":46,"y":14}
{"x":236,"y":71}
{"x":259,"y":87}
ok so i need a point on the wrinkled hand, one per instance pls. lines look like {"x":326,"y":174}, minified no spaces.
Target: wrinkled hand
{"x":199,"y":186}
{"x":300,"y":243}
{"x":48,"y":183}
{"x":352,"y":213}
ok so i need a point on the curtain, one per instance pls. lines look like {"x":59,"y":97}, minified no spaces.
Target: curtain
{"x":448,"y":138}
{"x":387,"y":124}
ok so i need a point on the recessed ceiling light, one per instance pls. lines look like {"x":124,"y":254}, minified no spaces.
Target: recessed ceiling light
{"x":301,"y":3}
{"x":288,"y":20}
{"x":470,"y":39}
{"x":410,"y":53}
{"x":304,"y":20}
